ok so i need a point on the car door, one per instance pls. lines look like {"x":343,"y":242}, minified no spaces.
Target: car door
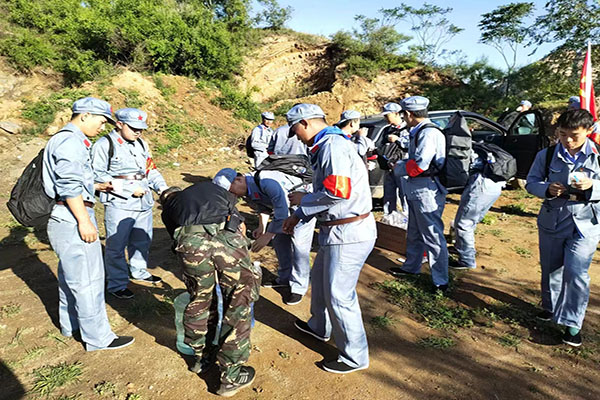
{"x":525,"y":138}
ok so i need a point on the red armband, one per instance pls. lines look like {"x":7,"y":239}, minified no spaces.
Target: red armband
{"x":413,"y":169}
{"x":149,"y":165}
{"x":338,"y":186}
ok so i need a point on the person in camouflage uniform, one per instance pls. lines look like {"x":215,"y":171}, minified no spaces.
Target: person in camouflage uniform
{"x":212,"y":253}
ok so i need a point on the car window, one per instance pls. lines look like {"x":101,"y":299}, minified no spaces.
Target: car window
{"x":527,"y":124}
{"x":480,"y":128}
{"x":441,"y":121}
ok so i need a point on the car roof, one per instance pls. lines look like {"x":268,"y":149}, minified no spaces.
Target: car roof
{"x":376,"y":119}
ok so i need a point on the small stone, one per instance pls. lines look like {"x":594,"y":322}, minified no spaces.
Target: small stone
{"x":176,"y":164}
{"x":10,"y":127}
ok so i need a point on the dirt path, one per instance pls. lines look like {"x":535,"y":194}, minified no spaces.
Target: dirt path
{"x":495,"y":348}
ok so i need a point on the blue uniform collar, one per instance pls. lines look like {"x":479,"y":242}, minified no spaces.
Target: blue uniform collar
{"x":330,"y":130}
{"x":253,"y":189}
{"x":588,"y":148}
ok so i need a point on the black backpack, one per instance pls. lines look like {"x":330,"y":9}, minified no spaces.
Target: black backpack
{"x":249,"y":149}
{"x":290,"y":164}
{"x":389,"y":152}
{"x":455,"y":172}
{"x":503,"y":166}
{"x":29,"y":203}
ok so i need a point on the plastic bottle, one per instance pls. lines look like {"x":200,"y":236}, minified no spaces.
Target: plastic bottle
{"x":180,"y":303}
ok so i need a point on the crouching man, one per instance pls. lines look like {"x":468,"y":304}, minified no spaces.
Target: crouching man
{"x":567,"y":177}
{"x":212,"y":249}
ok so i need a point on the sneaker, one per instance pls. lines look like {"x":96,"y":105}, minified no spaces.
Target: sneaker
{"x":398,"y":272}
{"x":292,"y":298}
{"x":457,"y":265}
{"x":151,"y":279}
{"x":303,"y":327}
{"x":572,"y":340}
{"x":119,"y":342}
{"x":274,"y":283}
{"x":123,"y":294}
{"x":244,"y":379}
{"x":338,"y":367}
{"x":544,"y":315}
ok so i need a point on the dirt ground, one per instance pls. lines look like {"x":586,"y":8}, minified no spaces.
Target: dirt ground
{"x":504,"y":355}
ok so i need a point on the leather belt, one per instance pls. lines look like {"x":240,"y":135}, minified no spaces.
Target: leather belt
{"x":348,"y":220}
{"x":133,"y":177}
{"x":88,"y":204}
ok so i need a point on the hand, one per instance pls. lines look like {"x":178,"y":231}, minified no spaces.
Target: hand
{"x":262,"y":241}
{"x":87,"y":231}
{"x":556,"y":189}
{"x":583,"y":184}
{"x":289,"y":224}
{"x":258,"y":232}
{"x":393,"y":138}
{"x":242,"y":228}
{"x":139,"y":192}
{"x":363,"y":131}
{"x":295,"y":198}
{"x":103,"y":187}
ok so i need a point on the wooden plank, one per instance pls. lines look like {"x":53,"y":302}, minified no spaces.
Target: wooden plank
{"x":391,"y":238}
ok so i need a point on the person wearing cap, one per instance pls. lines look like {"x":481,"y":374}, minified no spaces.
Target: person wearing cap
{"x":341,"y":202}
{"x":349,"y":123}
{"x":268,"y":191}
{"x":68,"y":177}
{"x":212,"y":249}
{"x":281,"y":144}
{"x":393,"y":147}
{"x":508,"y":117}
{"x":261,"y":137}
{"x":425,"y":194}
{"x":123,"y":157}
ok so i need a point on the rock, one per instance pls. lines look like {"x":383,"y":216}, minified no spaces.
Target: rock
{"x":10,"y":127}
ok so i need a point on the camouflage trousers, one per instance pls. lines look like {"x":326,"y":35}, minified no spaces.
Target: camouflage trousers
{"x":209,"y":256}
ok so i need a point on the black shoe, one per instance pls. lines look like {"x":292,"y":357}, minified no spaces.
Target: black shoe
{"x":151,"y":279}
{"x":273,"y":283}
{"x":244,"y":379}
{"x":303,"y":326}
{"x":123,"y":294}
{"x":455,"y":264}
{"x":120,"y":342}
{"x":292,"y":298}
{"x":398,"y":272}
{"x":572,"y":340}
{"x":440,"y":288}
{"x":338,"y":367}
{"x":544,"y":315}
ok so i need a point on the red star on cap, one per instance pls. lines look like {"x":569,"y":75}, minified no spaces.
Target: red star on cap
{"x":140,"y":117}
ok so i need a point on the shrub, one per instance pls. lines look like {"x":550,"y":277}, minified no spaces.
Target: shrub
{"x":240,"y":103}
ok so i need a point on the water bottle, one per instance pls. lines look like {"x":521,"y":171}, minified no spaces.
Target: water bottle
{"x":180,"y":303}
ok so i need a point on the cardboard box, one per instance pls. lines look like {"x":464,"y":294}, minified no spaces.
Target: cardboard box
{"x":391,"y":238}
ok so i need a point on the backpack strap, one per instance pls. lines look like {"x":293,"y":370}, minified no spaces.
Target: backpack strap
{"x":111,"y":151}
{"x":549,"y":155}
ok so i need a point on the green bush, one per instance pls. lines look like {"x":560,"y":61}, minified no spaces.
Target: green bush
{"x":43,"y":111}
{"x":240,"y":103}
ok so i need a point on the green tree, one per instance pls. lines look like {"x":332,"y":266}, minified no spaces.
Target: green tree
{"x":431,"y":27}
{"x":273,"y":16}
{"x":504,"y":29}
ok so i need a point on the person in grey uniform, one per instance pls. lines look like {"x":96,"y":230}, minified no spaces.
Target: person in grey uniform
{"x":567,"y":177}
{"x":478,"y":196}
{"x":341,"y":202}
{"x":395,"y":135}
{"x":261,"y":137}
{"x":123,"y":156}
{"x":282,"y":144}
{"x":349,"y":123}
{"x":268,"y":190}
{"x":425,"y":194}
{"x":68,"y":177}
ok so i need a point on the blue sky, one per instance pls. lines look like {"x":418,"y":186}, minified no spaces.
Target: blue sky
{"x":325,"y":17}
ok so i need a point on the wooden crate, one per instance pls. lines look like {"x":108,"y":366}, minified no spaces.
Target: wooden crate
{"x":391,"y":238}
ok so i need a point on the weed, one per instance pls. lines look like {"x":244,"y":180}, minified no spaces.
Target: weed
{"x":382,"y":321}
{"x":50,"y":377}
{"x":523,"y":252}
{"x":520,"y":194}
{"x":166,"y":90}
{"x":240,"y":103}
{"x":10,"y":310}
{"x":580,"y":352}
{"x":104,"y":387}
{"x":509,"y":340}
{"x":71,"y":397}
{"x":489,"y":219}
{"x":132,"y":98}
{"x":495,"y":232}
{"x":515,"y":209}
{"x":56,"y":336}
{"x":42,"y":112}
{"x":174,"y":136}
{"x":436,"y":342}
{"x":16,"y":340}
{"x":435,"y":309}
{"x":147,"y":306}
{"x":34,"y":353}
{"x":133,"y":396}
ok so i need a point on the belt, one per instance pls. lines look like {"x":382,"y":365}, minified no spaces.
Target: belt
{"x":133,"y":177}
{"x":189,"y":229}
{"x":345,"y":220}
{"x":88,"y":204}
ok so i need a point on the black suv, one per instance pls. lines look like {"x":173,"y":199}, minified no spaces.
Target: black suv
{"x":523,"y":139}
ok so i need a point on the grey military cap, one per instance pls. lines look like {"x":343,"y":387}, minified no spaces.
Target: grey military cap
{"x":415,"y":103}
{"x":391,"y":108}
{"x":133,"y":117}
{"x":348,"y":115}
{"x":94,"y":106}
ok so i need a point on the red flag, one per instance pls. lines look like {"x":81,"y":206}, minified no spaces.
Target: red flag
{"x":586,"y":86}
